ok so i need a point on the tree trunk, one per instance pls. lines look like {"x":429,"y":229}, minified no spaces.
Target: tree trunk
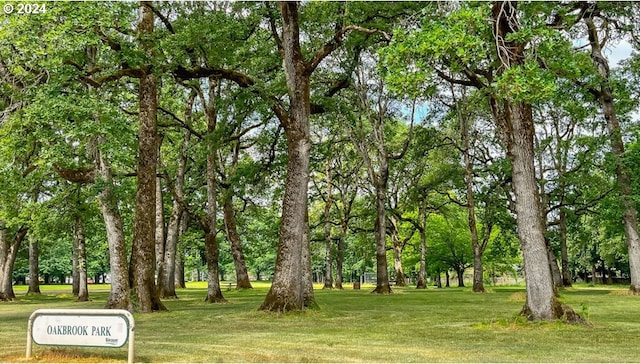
{"x":544,"y":212}
{"x":382,"y":275}
{"x":478,"y":271}
{"x":144,"y":224}
{"x":515,"y":121}
{"x":540,"y":292}
{"x":477,"y":246}
{"x":167,"y":271}
{"x":553,"y":265}
{"x":8,"y":255}
{"x":344,"y":209}
{"x":422,"y":272}
{"x":378,"y":170}
{"x":606,"y":99}
{"x":75,"y":274}
{"x":288,"y":287}
{"x":179,"y":271}
{"x":291,"y":289}
{"x":172,"y":273}
{"x":328,"y":274}
{"x":119,"y":296}
{"x":179,"y":274}
{"x":81,"y":253}
{"x":566,"y":272}
{"x":307,"y":276}
{"x":160,"y":233}
{"x":167,"y":268}
{"x":397,"y":253}
{"x":460,"y":273}
{"x":339,"y":263}
{"x":240,"y":265}
{"x":397,"y":260}
{"x":214,"y":293}
{"x":4,"y":255}
{"x":447,"y":277}
{"x":34,"y":271}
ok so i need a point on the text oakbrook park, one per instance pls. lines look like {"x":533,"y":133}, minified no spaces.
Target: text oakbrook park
{"x":82,"y":330}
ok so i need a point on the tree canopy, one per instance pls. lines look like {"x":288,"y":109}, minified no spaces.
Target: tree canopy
{"x":299,"y":142}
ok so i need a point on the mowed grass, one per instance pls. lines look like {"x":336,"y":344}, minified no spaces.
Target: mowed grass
{"x":434,"y":325}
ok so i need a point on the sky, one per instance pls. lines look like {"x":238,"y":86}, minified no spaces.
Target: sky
{"x":618,"y":53}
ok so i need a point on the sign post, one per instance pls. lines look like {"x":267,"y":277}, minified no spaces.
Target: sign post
{"x":97,"y":328}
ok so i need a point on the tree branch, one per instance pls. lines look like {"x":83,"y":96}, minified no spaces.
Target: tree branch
{"x":181,"y":122}
{"x":130,"y":72}
{"x":220,"y":73}
{"x":407,"y":141}
{"x":163,"y":18}
{"x":273,"y":28}
{"x":336,"y":41}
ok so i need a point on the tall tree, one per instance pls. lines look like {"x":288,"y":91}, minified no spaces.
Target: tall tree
{"x":483,"y":54}
{"x":328,"y":238}
{"x":423,"y":216}
{"x":119,"y":295}
{"x":292,"y":287}
{"x":167,"y":262}
{"x":80,"y":252}
{"x":370,"y":133}
{"x":605,"y":96}
{"x":34,"y":272}
{"x":242,"y":276}
{"x":326,"y":158}
{"x":143,"y":248}
{"x":515,"y":120}
{"x":478,"y":245}
{"x":9,"y":245}
{"x":214,"y":294}
{"x":238,"y":168}
{"x":348,"y":173}
{"x":414,"y":180}
{"x":450,"y":237}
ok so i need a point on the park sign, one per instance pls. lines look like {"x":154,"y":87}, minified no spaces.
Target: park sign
{"x":79,"y":327}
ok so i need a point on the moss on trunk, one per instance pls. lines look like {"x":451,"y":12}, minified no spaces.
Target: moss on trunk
{"x":215,"y":298}
{"x":383,"y":289}
{"x":559,"y":311}
{"x":273,"y":303}
{"x":634,"y":290}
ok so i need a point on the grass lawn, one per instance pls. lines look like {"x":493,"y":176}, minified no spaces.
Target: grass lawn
{"x":445,"y":325}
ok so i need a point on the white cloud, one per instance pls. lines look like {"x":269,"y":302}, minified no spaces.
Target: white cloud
{"x":618,"y":52}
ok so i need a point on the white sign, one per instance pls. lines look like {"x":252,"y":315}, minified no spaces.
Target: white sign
{"x":102,"y":328}
{"x":76,"y":330}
